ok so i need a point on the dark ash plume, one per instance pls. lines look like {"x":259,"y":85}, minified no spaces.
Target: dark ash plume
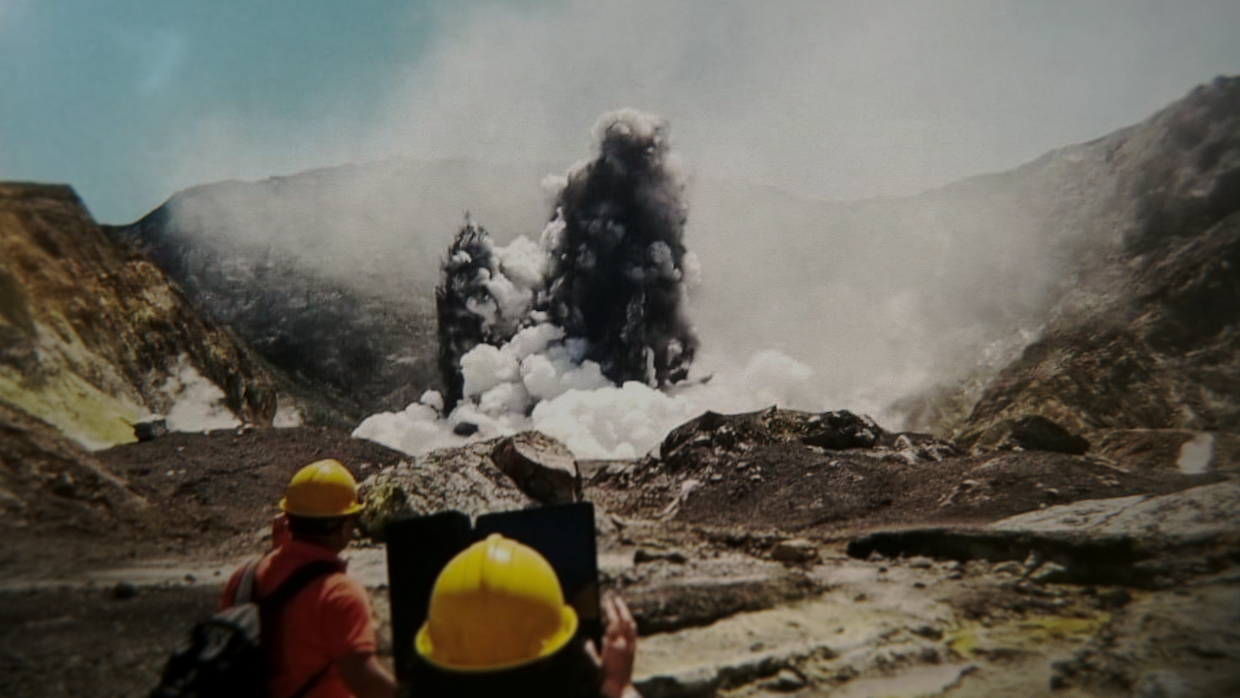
{"x":610,"y":268}
{"x":459,"y":298}
{"x":617,"y":261}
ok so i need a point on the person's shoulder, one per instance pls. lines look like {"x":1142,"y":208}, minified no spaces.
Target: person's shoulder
{"x":340,"y":583}
{"x":229,"y":594}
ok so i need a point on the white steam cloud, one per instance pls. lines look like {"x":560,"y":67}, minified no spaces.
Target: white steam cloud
{"x":593,"y":417}
{"x":582,"y":335}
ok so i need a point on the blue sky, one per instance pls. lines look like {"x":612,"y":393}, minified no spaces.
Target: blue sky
{"x":130,"y":100}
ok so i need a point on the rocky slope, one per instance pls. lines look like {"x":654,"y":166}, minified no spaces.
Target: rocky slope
{"x":1150,"y":339}
{"x":92,"y":333}
{"x":330,"y":274}
{"x":52,"y":492}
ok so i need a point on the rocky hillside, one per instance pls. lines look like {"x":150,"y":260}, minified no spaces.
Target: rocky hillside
{"x":1150,"y":338}
{"x":93,"y":335}
{"x":327,"y":273}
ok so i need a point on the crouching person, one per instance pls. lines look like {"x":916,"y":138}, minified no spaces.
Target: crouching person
{"x":317,"y":629}
{"x":497,"y":625}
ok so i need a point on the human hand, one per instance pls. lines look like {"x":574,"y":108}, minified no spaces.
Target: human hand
{"x":619,"y":649}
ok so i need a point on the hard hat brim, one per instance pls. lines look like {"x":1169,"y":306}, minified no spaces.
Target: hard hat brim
{"x":568,"y":628}
{"x":353,"y":508}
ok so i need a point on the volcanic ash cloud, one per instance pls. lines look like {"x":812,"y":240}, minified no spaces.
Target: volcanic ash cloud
{"x":583,"y":335}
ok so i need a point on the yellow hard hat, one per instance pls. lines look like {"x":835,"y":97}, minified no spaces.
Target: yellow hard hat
{"x":322,"y":489}
{"x":496,"y":605}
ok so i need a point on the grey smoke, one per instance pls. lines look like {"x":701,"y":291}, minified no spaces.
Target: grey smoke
{"x":463,"y":276}
{"x":618,"y":266}
{"x":615,"y":270}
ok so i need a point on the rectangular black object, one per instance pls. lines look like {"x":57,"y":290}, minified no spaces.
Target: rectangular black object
{"x":419,"y":548}
{"x":564,"y":535}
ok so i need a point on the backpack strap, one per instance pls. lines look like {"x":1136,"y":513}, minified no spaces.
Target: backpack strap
{"x":270,"y":606}
{"x":247,"y":589}
{"x":296,"y":582}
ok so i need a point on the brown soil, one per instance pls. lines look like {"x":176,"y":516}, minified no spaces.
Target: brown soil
{"x":223,"y":487}
{"x":208,"y":496}
{"x":86,"y":642}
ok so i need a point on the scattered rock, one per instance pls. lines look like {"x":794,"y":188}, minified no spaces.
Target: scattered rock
{"x":1037,"y":433}
{"x":701,"y":681}
{"x":1113,"y":598}
{"x":124,"y":590}
{"x":543,"y":468}
{"x":795,"y":550}
{"x":150,"y":429}
{"x":841,"y":430}
{"x":784,"y":681}
{"x":1050,"y":573}
{"x":1011,"y":567}
{"x":465,"y":429}
{"x":1164,"y":684}
{"x":644,"y":555}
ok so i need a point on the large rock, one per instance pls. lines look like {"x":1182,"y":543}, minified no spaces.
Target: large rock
{"x":543,"y":468}
{"x":737,"y":433}
{"x":460,"y":479}
{"x":665,"y":595}
{"x":1196,"y":514}
{"x":1142,"y":540}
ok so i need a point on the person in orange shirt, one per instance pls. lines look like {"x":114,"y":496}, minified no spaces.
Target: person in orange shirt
{"x":322,"y":643}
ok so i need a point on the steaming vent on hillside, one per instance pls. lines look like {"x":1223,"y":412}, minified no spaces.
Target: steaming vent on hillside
{"x":583,"y":334}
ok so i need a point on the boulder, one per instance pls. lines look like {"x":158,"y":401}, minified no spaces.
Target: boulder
{"x":1141,"y":541}
{"x":665,"y":596}
{"x":719,"y":434}
{"x":841,"y":430}
{"x":150,"y":429}
{"x":1037,"y":433}
{"x":1195,"y":514}
{"x":459,"y":479}
{"x":543,"y":468}
{"x":795,"y":550}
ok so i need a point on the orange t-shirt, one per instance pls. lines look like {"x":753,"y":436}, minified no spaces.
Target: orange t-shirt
{"x":328,"y":619}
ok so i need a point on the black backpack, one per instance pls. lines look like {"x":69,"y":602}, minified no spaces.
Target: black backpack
{"x":225,"y":656}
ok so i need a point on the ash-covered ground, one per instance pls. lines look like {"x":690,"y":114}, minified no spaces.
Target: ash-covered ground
{"x":755,"y":561}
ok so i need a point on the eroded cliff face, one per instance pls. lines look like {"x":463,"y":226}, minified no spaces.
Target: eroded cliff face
{"x":1150,"y":336}
{"x":91,"y":332}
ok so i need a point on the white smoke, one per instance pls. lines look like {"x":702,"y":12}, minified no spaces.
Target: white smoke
{"x":571,"y":335}
{"x":197,"y":403}
{"x":574,"y":403}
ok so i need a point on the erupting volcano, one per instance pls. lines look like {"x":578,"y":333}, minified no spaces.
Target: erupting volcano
{"x":610,"y":270}
{"x":584,"y":334}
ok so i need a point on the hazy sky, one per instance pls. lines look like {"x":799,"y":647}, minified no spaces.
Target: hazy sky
{"x":130,"y":100}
